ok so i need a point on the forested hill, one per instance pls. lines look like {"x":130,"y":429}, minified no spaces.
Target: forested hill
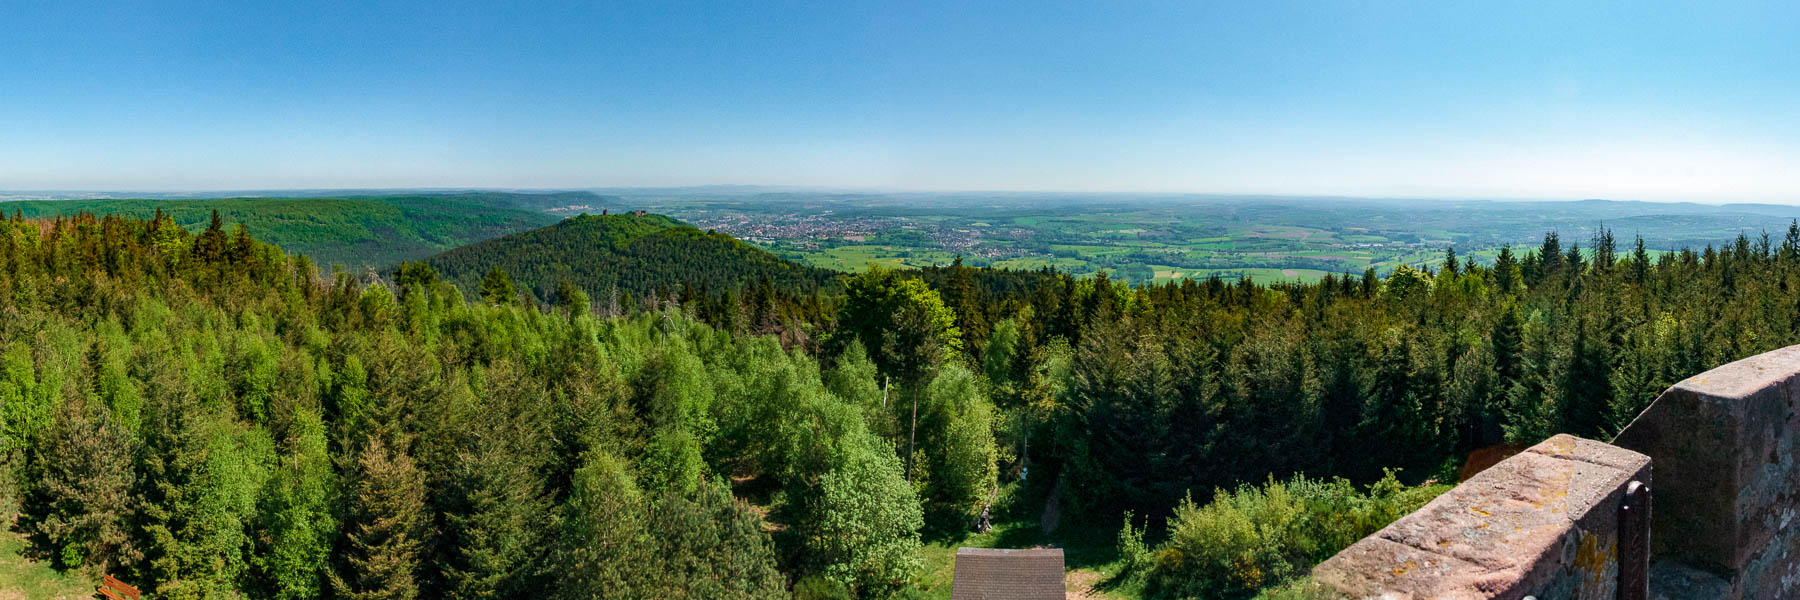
{"x":356,"y":231}
{"x":207,"y":417}
{"x":636,"y":254}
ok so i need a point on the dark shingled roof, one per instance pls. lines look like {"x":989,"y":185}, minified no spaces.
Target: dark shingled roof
{"x":992,"y":574}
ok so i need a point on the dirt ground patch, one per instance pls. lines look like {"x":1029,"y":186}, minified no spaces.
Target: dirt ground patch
{"x":1080,"y":584}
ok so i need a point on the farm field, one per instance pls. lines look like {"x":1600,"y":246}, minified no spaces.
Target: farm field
{"x":1172,"y":238}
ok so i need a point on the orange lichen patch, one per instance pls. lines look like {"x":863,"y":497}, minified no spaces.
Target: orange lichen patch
{"x":1593,"y":559}
{"x":1480,"y":512}
{"x":1562,"y":445}
{"x":1482,"y":458}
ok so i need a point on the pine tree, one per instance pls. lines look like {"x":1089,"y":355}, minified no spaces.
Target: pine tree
{"x":1507,"y":340}
{"x":1572,"y":260}
{"x":1639,"y":377}
{"x":961,"y":296}
{"x":84,"y":503}
{"x":497,"y":287}
{"x":1469,"y":393}
{"x":1398,"y":409}
{"x":603,"y":548}
{"x":1605,"y":250}
{"x":1586,"y":383}
{"x":497,"y":509}
{"x":385,"y":527}
{"x":1532,"y":408}
{"x":1640,"y":263}
{"x":210,"y":246}
{"x":711,"y":547}
{"x":1551,"y":254}
{"x":1790,"y":245}
{"x":199,"y":474}
{"x":1506,"y":271}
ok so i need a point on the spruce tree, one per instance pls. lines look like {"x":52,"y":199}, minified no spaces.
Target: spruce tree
{"x":384,"y":526}
{"x":84,"y":502}
{"x":712,"y":546}
{"x":1506,"y":271}
{"x":199,"y":472}
{"x":497,"y":508}
{"x":603,"y":548}
{"x":1640,"y":263}
{"x":1790,"y":245}
{"x":497,"y":287}
{"x":1551,"y":254}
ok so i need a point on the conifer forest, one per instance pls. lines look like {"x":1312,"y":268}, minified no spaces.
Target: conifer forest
{"x":207,"y":416}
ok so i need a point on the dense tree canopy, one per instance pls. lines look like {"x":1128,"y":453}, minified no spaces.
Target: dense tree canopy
{"x":204,"y":415}
{"x":638,"y":256}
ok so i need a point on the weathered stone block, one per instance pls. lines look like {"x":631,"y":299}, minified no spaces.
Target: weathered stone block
{"x":1724,"y":443}
{"x":1543,"y":523}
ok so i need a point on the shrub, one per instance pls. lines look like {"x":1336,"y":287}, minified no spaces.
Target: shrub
{"x":1254,"y":538}
{"x":814,"y":587}
{"x":1133,"y":554}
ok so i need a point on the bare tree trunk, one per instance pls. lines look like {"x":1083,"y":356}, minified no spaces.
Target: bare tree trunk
{"x":912,"y":435}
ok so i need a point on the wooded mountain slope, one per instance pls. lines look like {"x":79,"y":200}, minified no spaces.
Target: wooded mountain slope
{"x":357,"y":232}
{"x":210,"y":416}
{"x":207,"y":417}
{"x":638,"y":255}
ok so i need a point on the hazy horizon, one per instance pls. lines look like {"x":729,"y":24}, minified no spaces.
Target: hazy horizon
{"x":728,"y":189}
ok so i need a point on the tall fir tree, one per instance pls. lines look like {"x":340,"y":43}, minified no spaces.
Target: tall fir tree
{"x":385,"y":526}
{"x":83,"y":504}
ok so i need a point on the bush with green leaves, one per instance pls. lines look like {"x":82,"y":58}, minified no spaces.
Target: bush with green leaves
{"x":1261,"y":536}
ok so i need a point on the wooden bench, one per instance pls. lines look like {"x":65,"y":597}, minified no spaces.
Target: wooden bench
{"x":112,"y":588}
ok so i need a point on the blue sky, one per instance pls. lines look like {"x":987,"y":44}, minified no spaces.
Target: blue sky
{"x":1645,"y":100}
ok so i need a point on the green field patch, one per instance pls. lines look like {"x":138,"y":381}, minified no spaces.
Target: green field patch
{"x":1090,"y":250}
{"x":1261,"y":274}
{"x":1035,"y":263}
{"x":857,"y":258}
{"x":1285,"y":233}
{"x":1167,"y":273}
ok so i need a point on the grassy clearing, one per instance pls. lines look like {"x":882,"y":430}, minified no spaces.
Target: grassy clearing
{"x":1090,"y":250}
{"x":1075,"y":265}
{"x":857,"y":258}
{"x":1090,"y":554}
{"x":25,"y":578}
